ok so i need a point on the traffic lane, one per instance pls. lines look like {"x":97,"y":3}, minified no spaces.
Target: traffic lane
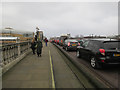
{"x":64,"y":77}
{"x":109,"y":73}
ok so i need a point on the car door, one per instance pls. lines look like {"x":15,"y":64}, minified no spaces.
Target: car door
{"x":66,"y":41}
{"x":85,"y":50}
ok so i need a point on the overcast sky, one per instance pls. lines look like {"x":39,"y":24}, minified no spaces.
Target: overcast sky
{"x":56,"y":18}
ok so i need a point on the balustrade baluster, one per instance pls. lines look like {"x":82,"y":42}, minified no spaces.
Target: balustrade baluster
{"x":3,"y":49}
{"x":1,"y":57}
{"x":6,"y":55}
{"x":10,"y":52}
{"x":8,"y":60}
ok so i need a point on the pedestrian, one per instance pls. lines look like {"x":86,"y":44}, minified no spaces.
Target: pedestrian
{"x":33,"y":44}
{"x":39,"y":48}
{"x":46,"y":40}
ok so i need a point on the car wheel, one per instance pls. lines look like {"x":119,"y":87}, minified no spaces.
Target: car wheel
{"x":78,"y":53}
{"x":94,"y":63}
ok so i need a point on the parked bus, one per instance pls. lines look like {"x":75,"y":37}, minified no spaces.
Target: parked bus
{"x":38,"y":35}
{"x":6,"y":40}
{"x":63,"y":37}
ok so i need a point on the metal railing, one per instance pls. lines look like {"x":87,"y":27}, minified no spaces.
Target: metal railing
{"x":11,"y":51}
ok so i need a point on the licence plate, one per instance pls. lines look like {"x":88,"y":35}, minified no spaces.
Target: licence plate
{"x":116,"y":54}
{"x":73,"y":44}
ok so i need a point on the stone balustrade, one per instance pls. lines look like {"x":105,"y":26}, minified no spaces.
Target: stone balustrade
{"x":11,"y":52}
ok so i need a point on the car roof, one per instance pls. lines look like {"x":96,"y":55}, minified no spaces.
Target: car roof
{"x":103,"y":39}
{"x":72,"y":40}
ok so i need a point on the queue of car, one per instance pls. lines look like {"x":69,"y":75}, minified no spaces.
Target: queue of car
{"x":99,"y":52}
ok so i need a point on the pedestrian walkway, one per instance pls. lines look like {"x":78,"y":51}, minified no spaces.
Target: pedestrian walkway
{"x":31,"y":72}
{"x":35,"y":72}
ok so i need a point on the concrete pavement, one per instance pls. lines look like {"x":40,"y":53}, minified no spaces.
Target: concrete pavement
{"x":31,"y":72}
{"x":35,"y":72}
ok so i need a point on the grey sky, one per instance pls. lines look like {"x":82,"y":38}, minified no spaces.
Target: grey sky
{"x":56,"y":18}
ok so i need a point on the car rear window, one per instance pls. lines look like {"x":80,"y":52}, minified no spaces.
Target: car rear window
{"x":73,"y":42}
{"x":112,"y":45}
{"x":95,"y":45}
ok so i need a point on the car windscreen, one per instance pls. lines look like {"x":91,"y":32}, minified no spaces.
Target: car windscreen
{"x":112,"y":45}
{"x":72,"y":41}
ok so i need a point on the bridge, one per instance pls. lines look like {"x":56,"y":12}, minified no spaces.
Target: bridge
{"x":22,"y":69}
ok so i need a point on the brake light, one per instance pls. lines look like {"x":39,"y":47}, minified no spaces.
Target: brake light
{"x":102,"y":51}
{"x":79,"y":44}
{"x":68,"y":43}
{"x":102,"y":61}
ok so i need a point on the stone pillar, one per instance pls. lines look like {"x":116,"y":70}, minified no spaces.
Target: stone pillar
{"x":28,"y":45}
{"x":19,"y":49}
{"x":18,"y":44}
{"x":1,"y":57}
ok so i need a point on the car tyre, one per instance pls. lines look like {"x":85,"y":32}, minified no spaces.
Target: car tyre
{"x":94,"y":63}
{"x":78,"y":54}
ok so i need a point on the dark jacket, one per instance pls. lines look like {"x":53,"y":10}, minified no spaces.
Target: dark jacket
{"x":39,"y":47}
{"x":33,"y":45}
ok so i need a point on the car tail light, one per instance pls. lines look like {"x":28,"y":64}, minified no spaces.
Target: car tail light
{"x":102,"y":51}
{"x":79,"y":44}
{"x":102,"y":61}
{"x":68,"y":43}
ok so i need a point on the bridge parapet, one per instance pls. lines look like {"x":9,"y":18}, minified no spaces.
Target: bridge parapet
{"x":13,"y":53}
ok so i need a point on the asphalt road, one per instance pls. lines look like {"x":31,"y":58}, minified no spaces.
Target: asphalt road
{"x":110,"y":73}
{"x":64,"y":77}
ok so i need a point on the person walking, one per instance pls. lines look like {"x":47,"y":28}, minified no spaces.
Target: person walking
{"x":46,"y":40}
{"x":33,"y":44}
{"x":39,"y":48}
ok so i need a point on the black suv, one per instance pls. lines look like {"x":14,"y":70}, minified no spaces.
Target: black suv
{"x":100,"y":51}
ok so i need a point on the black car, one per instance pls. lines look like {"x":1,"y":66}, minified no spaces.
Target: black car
{"x":100,"y":51}
{"x":70,"y":44}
